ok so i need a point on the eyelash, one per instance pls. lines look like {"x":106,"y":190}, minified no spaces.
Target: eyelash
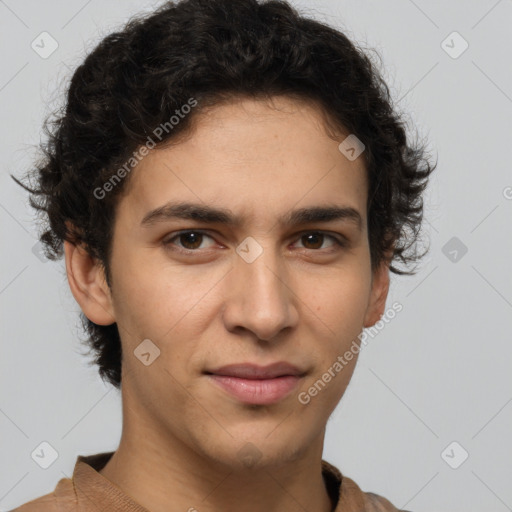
{"x":343,"y":243}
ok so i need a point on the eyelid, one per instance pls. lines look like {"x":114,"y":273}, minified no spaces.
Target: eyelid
{"x":168,"y":240}
{"x":339,"y":239}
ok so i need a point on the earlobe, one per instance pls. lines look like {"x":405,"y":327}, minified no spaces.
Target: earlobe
{"x":88,"y":285}
{"x":378,"y":296}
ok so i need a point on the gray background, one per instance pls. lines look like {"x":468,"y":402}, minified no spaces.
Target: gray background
{"x":439,"y":372}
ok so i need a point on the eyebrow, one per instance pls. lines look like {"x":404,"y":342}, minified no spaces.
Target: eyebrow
{"x":213,"y":215}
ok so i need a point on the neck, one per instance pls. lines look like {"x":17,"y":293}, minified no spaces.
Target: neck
{"x":168,"y":476}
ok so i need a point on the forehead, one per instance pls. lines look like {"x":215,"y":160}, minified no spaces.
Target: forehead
{"x":260,"y":160}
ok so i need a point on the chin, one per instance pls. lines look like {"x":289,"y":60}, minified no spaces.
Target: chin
{"x":250,"y":453}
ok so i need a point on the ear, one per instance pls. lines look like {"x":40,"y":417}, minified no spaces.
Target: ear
{"x":378,"y":294}
{"x":88,"y":285}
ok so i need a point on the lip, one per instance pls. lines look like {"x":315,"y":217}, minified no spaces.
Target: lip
{"x":254,"y":371}
{"x":253,"y":384}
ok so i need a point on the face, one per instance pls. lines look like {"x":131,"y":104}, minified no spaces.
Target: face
{"x":266,"y":288}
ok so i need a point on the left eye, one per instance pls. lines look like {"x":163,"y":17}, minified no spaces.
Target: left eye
{"x":193,"y":240}
{"x":190,"y":237}
{"x":314,"y":236}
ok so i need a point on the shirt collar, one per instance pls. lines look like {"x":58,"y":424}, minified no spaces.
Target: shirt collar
{"x":90,"y":486}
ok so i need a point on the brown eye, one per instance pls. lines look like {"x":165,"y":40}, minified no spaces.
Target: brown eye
{"x":188,"y":240}
{"x":191,"y":240}
{"x":314,"y":240}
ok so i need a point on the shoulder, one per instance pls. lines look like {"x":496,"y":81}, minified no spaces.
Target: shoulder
{"x":376,"y":503}
{"x":351,"y":498}
{"x":46,"y":503}
{"x":62,"y":499}
{"x":367,"y":501}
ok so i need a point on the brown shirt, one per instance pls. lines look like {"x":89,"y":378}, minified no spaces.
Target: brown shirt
{"x":89,"y":491}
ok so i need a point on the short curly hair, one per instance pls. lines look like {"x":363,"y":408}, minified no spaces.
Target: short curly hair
{"x":135,"y":79}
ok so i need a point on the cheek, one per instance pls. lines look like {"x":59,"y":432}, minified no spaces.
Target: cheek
{"x":339,"y":308}
{"x":164,"y":303}
{"x":339,"y":301}
{"x":139,"y":300}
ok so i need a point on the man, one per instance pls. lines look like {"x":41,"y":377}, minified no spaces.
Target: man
{"x":230,"y":187}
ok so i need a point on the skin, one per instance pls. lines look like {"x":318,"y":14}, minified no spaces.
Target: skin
{"x":303,"y":300}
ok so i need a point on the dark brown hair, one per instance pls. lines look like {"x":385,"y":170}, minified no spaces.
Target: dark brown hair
{"x":209,"y":50}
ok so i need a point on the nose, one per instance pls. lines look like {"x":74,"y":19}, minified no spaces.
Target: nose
{"x":259,"y":298}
